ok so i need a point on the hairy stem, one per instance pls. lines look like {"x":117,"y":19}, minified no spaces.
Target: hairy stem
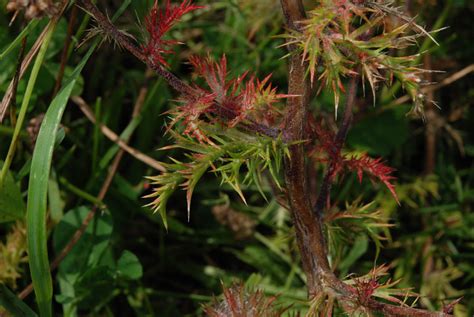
{"x":176,"y":83}
{"x":309,"y":224}
{"x":309,"y":231}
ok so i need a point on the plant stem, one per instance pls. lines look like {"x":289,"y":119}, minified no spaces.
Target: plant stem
{"x":309,"y":224}
{"x":308,"y":228}
{"x":26,"y":101}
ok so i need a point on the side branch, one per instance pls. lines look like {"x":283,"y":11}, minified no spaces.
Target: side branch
{"x":339,"y":141}
{"x":177,"y":84}
{"x":124,"y":41}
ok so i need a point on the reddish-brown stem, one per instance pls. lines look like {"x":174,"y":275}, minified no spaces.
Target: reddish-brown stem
{"x":401,"y":311}
{"x":308,"y":224}
{"x":175,"y":82}
{"x":64,"y":54}
{"x":309,"y":230}
{"x":339,"y":141}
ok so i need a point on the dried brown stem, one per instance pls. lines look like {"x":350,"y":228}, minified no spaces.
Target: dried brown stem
{"x":431,"y":129}
{"x":27,"y":61}
{"x":112,"y":136}
{"x":16,"y":79}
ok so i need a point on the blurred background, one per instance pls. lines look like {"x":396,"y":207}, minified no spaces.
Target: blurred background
{"x":174,"y":273}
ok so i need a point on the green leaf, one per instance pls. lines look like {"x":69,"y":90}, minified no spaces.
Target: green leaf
{"x":12,"y":206}
{"x":37,"y":194}
{"x":380,"y":134}
{"x":13,"y":304}
{"x":56,"y":203}
{"x":87,"y":255}
{"x":129,"y":266}
{"x":357,"y":250}
{"x":16,"y":42}
{"x":91,"y":246}
{"x":94,"y":287}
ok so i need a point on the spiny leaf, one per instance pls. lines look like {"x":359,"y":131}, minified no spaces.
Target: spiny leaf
{"x":375,"y":168}
{"x":329,"y":41}
{"x":231,"y":150}
{"x":158,"y":23}
{"x":223,"y":99}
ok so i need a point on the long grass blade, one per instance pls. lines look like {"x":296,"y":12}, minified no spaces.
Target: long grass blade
{"x":37,"y":194}
{"x":26,"y":100}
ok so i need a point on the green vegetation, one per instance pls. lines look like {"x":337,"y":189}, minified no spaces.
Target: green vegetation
{"x":127,"y":192}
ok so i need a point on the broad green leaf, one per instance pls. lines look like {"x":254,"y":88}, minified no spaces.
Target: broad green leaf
{"x":90,"y":248}
{"x":380,"y":134}
{"x":129,"y":266}
{"x":37,"y":193}
{"x":85,"y":256}
{"x":12,"y":206}
{"x":94,"y":287}
{"x":13,"y":304}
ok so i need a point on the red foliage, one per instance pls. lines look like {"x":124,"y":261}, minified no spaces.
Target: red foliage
{"x":333,"y":155}
{"x":158,"y":22}
{"x":375,"y":168}
{"x":232,"y":99}
{"x":364,"y":289}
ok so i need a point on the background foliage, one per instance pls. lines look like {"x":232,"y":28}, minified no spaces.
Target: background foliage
{"x":128,"y":264}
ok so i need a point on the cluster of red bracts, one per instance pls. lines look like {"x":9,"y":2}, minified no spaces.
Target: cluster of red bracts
{"x":229,"y":100}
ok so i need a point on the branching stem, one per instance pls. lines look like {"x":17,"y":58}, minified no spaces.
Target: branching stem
{"x":309,"y":224}
{"x":176,"y":83}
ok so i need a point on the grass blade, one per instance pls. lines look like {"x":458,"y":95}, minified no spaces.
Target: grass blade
{"x":26,"y":100}
{"x":13,"y":304}
{"x":37,"y":194}
{"x":18,"y":39}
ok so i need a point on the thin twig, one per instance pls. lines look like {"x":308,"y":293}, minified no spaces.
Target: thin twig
{"x":16,"y":79}
{"x":64,"y":54}
{"x":112,"y":136}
